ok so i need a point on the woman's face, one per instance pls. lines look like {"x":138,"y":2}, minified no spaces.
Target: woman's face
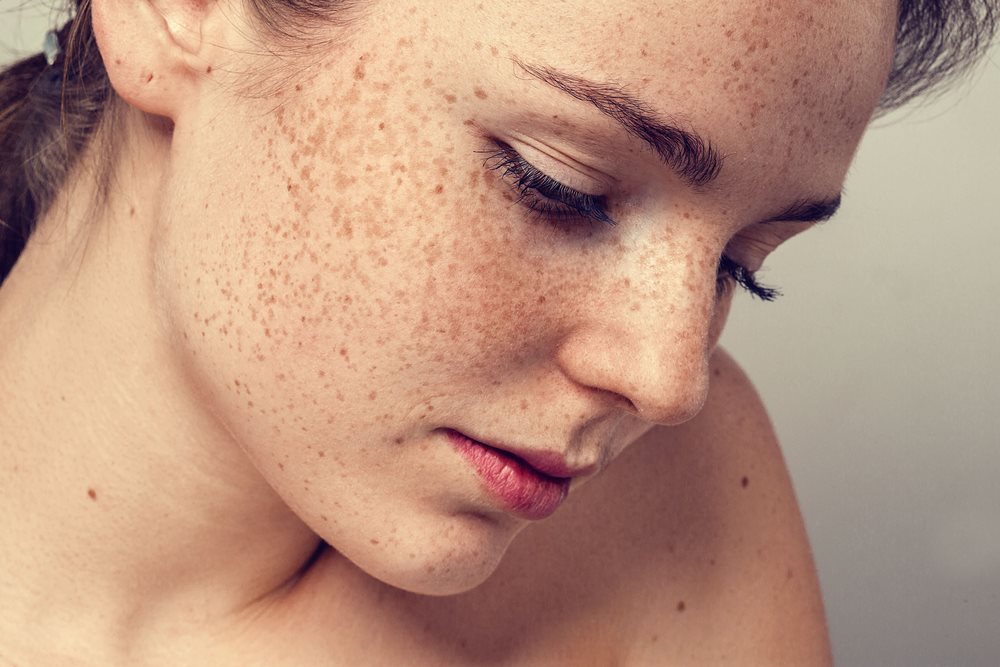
{"x":348,"y":269}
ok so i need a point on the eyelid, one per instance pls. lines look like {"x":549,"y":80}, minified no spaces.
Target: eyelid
{"x":753,"y":244}
{"x":562,"y":166}
{"x":552,"y":197}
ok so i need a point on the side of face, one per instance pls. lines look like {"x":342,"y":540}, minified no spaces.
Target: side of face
{"x":345,"y":275}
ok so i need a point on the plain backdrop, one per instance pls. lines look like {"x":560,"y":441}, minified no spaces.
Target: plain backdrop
{"x":880,"y":370}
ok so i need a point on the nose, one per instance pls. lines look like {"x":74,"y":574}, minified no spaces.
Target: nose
{"x":649,"y":343}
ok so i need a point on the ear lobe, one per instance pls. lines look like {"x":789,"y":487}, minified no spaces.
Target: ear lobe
{"x":152,"y":50}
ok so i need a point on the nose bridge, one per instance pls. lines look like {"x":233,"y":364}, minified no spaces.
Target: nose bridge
{"x":649,"y":340}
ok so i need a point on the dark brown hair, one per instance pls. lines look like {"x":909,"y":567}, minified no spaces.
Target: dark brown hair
{"x":49,"y":114}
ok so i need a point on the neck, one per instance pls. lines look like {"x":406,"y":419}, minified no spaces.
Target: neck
{"x":128,"y":504}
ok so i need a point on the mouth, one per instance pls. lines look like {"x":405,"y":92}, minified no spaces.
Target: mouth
{"x":520,"y":487}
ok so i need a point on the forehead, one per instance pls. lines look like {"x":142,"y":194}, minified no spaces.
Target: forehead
{"x":781,"y":88}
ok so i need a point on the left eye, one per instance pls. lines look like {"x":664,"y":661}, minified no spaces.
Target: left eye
{"x":543,"y":193}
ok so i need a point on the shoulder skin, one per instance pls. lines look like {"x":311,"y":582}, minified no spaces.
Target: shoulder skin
{"x":690,"y":549}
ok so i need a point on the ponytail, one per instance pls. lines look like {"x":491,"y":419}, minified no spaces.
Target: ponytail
{"x":48,"y":113}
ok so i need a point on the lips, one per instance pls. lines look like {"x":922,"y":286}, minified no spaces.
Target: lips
{"x":525,"y":488}
{"x":549,"y":463}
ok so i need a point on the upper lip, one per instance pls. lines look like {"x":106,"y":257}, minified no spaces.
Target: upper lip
{"x":550,"y":462}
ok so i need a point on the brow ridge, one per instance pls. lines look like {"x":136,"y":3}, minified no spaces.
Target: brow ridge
{"x":688,"y":155}
{"x":808,"y":211}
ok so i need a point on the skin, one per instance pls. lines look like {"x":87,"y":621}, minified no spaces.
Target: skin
{"x":305,"y":271}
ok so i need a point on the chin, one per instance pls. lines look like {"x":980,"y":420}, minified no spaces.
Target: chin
{"x":447,"y":579}
{"x":452,"y":562}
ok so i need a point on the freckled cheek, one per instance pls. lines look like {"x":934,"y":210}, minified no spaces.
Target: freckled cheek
{"x":350,"y":230}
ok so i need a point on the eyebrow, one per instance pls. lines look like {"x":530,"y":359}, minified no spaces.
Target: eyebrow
{"x":688,"y":155}
{"x":808,"y":211}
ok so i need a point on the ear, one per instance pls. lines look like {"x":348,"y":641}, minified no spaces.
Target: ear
{"x":157,"y":52}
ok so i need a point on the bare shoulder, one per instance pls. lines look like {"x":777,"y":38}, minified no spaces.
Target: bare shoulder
{"x":694,"y":538}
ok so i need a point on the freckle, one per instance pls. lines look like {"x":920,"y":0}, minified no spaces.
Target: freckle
{"x":494,"y":50}
{"x":343,"y":351}
{"x":450,"y":98}
{"x":208,"y":70}
{"x":92,"y":494}
{"x":737,"y":64}
{"x":480,"y":93}
{"x":681,"y":606}
{"x":745,"y":482}
{"x":132,"y":212}
{"x":118,"y":61}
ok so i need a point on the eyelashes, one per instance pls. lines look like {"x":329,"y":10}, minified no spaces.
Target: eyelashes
{"x":730,"y":271}
{"x":551,"y":199}
{"x":543,"y":193}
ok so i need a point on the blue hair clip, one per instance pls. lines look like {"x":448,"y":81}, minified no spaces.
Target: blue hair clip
{"x":50,"y":47}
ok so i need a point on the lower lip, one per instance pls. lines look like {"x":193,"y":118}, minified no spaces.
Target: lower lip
{"x":523,"y":490}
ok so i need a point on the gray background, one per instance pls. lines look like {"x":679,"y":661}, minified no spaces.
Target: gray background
{"x":880,"y":370}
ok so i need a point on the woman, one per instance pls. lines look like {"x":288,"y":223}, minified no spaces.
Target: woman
{"x":324,"y":304}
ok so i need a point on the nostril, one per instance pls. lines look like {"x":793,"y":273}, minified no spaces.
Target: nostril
{"x":675,"y":398}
